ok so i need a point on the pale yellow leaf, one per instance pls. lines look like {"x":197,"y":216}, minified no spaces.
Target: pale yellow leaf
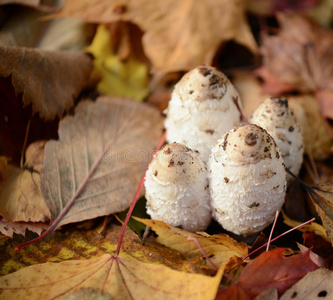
{"x":117,"y":278}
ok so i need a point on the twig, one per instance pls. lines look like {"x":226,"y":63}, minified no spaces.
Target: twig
{"x":136,"y":196}
{"x":270,"y":235}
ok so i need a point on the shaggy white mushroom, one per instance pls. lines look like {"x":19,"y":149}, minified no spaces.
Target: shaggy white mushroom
{"x":247,"y":180}
{"x":275,"y":115}
{"x":177,"y":188}
{"x":202,"y":108}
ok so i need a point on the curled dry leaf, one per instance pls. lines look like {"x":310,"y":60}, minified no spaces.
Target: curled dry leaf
{"x":9,"y":228}
{"x":20,"y":195}
{"x":220,"y":247}
{"x":315,"y":285}
{"x":132,"y":129}
{"x":118,"y":278}
{"x":324,"y":206}
{"x":179,"y":35}
{"x":48,"y":80}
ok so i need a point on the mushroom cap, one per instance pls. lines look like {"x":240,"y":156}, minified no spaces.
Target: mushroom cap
{"x":202,"y":108}
{"x":177,"y":190}
{"x":275,"y":115}
{"x":247,"y":180}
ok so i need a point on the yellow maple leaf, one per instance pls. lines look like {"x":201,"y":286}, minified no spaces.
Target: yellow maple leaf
{"x":220,"y":247}
{"x":113,"y":277}
{"x":128,"y":78}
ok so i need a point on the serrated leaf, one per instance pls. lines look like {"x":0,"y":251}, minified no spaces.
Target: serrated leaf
{"x":132,"y":129}
{"x":118,"y":278}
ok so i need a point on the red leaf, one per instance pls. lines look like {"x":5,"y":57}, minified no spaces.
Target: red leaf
{"x":270,"y":269}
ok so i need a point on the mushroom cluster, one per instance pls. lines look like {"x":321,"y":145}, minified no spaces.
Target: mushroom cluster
{"x":216,"y":166}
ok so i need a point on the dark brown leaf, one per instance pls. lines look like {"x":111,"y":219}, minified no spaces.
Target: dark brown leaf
{"x":50,"y":81}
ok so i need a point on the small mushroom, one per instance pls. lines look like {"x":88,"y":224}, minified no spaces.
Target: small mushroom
{"x":202,"y":108}
{"x":275,"y":115}
{"x":177,"y":189}
{"x":247,"y":179}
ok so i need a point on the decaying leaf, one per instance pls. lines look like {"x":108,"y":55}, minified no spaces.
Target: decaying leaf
{"x":299,"y":58}
{"x":270,"y":269}
{"x":48,"y":80}
{"x":8,"y":228}
{"x":118,"y":278}
{"x":315,"y":285}
{"x":220,"y":248}
{"x":179,"y":35}
{"x":20,"y":195}
{"x":80,"y":244}
{"x":324,"y":206}
{"x":127,"y":78}
{"x":132,"y":129}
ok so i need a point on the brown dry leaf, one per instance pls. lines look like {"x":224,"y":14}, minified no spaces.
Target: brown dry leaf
{"x":37,"y":4}
{"x":132,"y":128}
{"x":179,"y":35}
{"x":315,"y":285}
{"x":117,"y":278}
{"x":8,"y":228}
{"x":324,"y":206}
{"x":20,"y":195}
{"x":48,"y":80}
{"x":299,"y":58}
{"x":219,"y":248}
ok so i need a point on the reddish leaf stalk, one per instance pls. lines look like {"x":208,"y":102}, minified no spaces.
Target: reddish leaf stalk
{"x":271,"y":233}
{"x":195,"y":240}
{"x":69,"y":204}
{"x":281,"y":235}
{"x":136,"y":196}
{"x":240,"y":110}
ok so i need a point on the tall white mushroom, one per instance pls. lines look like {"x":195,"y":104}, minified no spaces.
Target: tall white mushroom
{"x":202,"y":108}
{"x":275,"y":115}
{"x":247,"y":180}
{"x":177,"y":189}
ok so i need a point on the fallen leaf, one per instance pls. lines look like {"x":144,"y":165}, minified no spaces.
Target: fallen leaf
{"x":299,"y":58}
{"x":270,"y":269}
{"x":270,"y":294}
{"x":324,"y":206}
{"x":119,"y":278}
{"x":127,"y":78}
{"x":48,"y":80}
{"x":219,"y":247}
{"x":20,"y":195}
{"x":271,"y":7}
{"x":178,"y":35}
{"x":132,"y":128}
{"x":77,"y":244}
{"x":312,"y":227}
{"x":315,"y":285}
{"x":8,"y":228}
{"x":37,"y":4}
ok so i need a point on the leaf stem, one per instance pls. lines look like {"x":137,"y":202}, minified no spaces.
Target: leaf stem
{"x":271,"y":233}
{"x":136,"y":196}
{"x":290,"y":230}
{"x":195,"y":240}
